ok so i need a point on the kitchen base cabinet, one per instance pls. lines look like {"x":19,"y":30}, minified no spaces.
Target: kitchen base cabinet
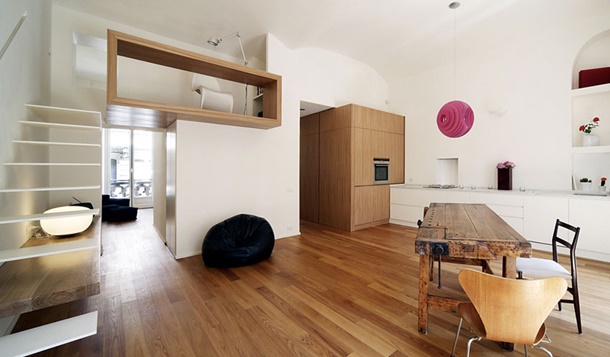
{"x":531,"y":214}
{"x":539,"y":216}
{"x":591,"y":215}
{"x":371,"y":206}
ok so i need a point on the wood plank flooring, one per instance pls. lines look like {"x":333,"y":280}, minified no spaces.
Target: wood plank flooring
{"x":325,"y":293}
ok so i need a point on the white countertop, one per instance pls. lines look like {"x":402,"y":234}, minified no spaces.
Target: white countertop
{"x":527,"y":192}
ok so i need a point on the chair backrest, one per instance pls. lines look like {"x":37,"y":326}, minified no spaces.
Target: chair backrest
{"x":512,"y":310}
{"x":571,"y":230}
{"x":201,"y":80}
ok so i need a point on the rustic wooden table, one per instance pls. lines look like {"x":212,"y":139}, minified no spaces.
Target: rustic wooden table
{"x":457,"y":230}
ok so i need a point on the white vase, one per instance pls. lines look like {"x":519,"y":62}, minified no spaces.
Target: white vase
{"x":586,"y":186}
{"x":590,"y":140}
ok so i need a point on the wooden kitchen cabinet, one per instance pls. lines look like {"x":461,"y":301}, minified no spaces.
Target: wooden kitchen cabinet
{"x":335,"y":177}
{"x":371,"y":206}
{"x":350,"y":138}
{"x":309,"y":170}
{"x":377,"y":135}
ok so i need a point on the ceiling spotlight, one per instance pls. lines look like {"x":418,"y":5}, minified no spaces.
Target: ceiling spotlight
{"x":454,"y":5}
{"x":214,"y":41}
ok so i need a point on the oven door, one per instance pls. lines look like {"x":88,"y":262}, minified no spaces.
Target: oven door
{"x":382,"y":170}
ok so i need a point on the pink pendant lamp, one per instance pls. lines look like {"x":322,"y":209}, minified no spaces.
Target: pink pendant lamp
{"x":455,"y":118}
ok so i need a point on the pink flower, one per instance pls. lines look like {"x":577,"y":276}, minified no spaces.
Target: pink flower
{"x":506,"y":165}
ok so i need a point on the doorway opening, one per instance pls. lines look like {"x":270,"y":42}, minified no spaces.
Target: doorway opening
{"x":128,"y":166}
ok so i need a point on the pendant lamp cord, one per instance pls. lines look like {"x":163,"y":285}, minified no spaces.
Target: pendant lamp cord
{"x":454,"y":57}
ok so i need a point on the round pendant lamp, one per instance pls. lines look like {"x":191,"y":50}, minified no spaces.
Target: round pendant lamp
{"x":456,"y":117}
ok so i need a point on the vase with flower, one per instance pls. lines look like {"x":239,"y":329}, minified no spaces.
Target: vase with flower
{"x":505,"y":175}
{"x":588,"y":138}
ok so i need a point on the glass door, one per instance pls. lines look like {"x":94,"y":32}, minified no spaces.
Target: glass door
{"x":129,"y":159}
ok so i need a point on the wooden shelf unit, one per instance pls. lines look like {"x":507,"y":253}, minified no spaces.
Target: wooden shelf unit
{"x":139,"y":113}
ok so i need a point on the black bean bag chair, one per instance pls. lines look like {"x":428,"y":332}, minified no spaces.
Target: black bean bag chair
{"x":237,"y":241}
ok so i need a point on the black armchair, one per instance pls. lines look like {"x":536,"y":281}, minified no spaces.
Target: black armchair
{"x":117,"y":209}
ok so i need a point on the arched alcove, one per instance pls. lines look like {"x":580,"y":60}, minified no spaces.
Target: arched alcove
{"x":589,"y":102}
{"x":595,"y":53}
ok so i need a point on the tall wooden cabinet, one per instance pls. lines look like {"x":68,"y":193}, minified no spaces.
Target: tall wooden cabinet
{"x":337,"y":179}
{"x":309,"y":167}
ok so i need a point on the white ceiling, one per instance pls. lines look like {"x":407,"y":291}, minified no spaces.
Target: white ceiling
{"x":395,"y":37}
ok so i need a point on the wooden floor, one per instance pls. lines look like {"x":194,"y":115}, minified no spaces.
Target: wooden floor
{"x":325,"y":293}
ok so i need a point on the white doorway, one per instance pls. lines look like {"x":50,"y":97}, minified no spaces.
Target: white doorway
{"x":128,"y":162}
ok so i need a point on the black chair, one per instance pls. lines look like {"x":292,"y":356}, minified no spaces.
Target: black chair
{"x":237,"y":241}
{"x":537,"y":268}
{"x":117,"y":209}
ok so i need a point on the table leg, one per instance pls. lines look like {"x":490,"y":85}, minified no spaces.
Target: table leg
{"x":424,"y":279}
{"x":509,"y":267}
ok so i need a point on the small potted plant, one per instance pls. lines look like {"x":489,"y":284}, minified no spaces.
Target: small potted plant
{"x":588,"y":139}
{"x":585,"y":184}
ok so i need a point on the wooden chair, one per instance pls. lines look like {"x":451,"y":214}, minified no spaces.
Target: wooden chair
{"x":507,"y":310}
{"x":483,"y":263}
{"x":537,"y":268}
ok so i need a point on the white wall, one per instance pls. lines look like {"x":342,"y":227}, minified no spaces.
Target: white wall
{"x":144,"y":81}
{"x":520,"y":92}
{"x":332,"y":79}
{"x":162,"y":84}
{"x":224,"y":171}
{"x":24,"y":78}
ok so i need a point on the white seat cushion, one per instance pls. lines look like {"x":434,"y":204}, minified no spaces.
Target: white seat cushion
{"x":536,"y":268}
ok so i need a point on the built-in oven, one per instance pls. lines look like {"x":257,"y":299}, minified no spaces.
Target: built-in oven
{"x":382,"y":170}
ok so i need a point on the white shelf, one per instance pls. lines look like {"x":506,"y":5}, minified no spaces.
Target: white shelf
{"x":591,"y":149}
{"x":39,"y":189}
{"x":54,"y":283}
{"x":51,"y":164}
{"x":58,"y":115}
{"x":36,"y":217}
{"x":41,"y":338}
{"x":57,"y":125}
{"x":49,"y":249}
{"x":55,"y":143}
{"x":603,"y":88}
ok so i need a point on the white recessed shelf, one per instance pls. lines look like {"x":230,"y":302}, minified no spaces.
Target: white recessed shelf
{"x":591,"y":149}
{"x":51,"y":164}
{"x":55,"y":143}
{"x":40,"y":189}
{"x":603,"y":88}
{"x":36,"y":217}
{"x":56,"y":125}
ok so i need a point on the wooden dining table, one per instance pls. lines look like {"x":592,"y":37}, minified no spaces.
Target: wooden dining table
{"x":463,"y":232}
